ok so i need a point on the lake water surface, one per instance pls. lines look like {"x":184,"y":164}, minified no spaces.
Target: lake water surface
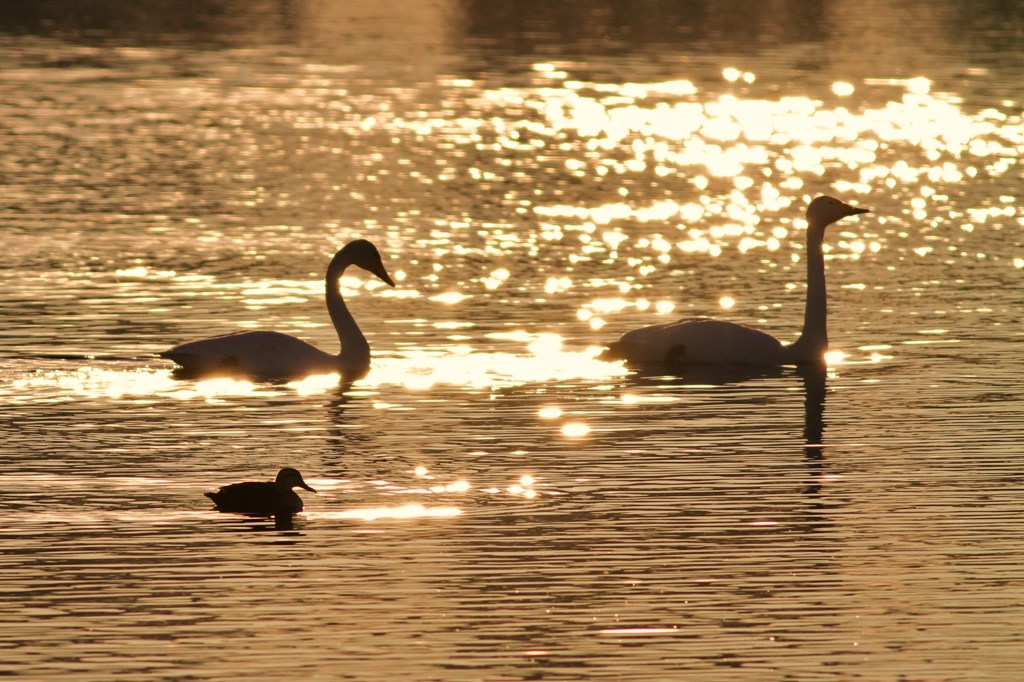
{"x":495,"y":503}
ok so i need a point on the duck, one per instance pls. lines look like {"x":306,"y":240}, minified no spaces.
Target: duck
{"x":710,"y":341}
{"x":270,"y":354}
{"x":262,"y":498}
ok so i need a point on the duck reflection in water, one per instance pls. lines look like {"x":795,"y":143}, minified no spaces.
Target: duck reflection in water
{"x":263,"y":498}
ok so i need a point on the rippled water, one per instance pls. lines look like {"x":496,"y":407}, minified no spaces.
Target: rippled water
{"x":496,"y":503}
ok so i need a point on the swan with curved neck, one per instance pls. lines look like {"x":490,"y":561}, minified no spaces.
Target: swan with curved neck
{"x":704,"y":340}
{"x":268,"y":354}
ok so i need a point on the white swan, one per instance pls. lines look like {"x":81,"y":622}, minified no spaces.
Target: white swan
{"x":703,"y":340}
{"x":275,"y":355}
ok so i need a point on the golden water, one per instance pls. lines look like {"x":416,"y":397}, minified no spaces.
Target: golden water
{"x":495,"y":503}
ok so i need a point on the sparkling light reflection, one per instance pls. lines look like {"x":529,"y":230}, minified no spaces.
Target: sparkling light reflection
{"x":524,"y":487}
{"x":835,"y":357}
{"x":94,"y":382}
{"x":405,"y":511}
{"x":575,"y":429}
{"x":640,"y":631}
{"x":546,"y":361}
{"x":766,"y":148}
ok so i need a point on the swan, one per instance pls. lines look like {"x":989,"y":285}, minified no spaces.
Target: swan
{"x":262,"y":498}
{"x":274,"y":355}
{"x":717,"y":342}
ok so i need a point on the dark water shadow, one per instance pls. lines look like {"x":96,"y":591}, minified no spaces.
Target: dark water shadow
{"x":697,"y":374}
{"x":813,"y":378}
{"x":249,"y":523}
{"x":566,"y":29}
{"x":340,"y":437}
{"x":352,"y":451}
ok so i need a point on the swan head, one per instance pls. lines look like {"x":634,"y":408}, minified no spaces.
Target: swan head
{"x":291,"y":478}
{"x":825,"y":210}
{"x":364,"y":254}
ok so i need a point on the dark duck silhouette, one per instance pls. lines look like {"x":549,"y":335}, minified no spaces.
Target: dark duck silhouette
{"x":262,"y":498}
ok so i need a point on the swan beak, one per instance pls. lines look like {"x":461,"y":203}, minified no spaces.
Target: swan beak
{"x":383,"y":274}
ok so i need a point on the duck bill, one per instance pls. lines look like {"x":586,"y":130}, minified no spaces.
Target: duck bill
{"x":306,"y":486}
{"x":857,"y":211}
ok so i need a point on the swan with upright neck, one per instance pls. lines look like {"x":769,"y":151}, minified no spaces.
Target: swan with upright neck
{"x":708,"y":341}
{"x":266,"y":354}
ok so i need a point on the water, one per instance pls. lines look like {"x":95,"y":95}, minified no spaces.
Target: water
{"x":496,"y":503}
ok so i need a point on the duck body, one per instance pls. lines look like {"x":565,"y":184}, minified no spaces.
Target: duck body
{"x":273,"y":355}
{"x":262,"y":498}
{"x":719,"y":342}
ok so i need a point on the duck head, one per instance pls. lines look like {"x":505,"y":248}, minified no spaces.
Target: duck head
{"x":291,"y":478}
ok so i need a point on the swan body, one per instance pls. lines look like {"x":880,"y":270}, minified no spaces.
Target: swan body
{"x":262,"y":498}
{"x":269,"y":354}
{"x":715,"y":342}
{"x":718,"y":342}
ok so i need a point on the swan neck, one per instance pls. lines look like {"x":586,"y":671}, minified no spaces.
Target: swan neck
{"x":355,"y":351}
{"x":813,"y":341}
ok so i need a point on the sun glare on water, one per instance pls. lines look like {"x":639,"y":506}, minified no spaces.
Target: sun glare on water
{"x":405,"y":511}
{"x":545,"y":359}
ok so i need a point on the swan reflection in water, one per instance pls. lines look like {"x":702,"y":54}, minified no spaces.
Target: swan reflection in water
{"x":813,"y":377}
